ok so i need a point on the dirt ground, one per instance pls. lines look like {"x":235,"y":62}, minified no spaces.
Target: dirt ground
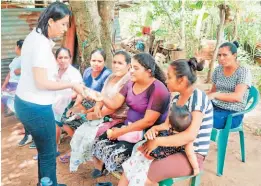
{"x":19,"y":169}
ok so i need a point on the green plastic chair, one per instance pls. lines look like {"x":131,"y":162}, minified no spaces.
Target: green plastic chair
{"x":221,"y":135}
{"x":195,"y":180}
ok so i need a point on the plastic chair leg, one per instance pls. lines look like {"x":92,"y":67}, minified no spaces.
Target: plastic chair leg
{"x":222,"y":147}
{"x":195,"y":181}
{"x":242,"y":145}
{"x":167,"y":182}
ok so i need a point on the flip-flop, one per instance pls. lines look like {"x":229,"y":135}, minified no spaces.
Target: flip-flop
{"x":104,"y":184}
{"x":65,"y":158}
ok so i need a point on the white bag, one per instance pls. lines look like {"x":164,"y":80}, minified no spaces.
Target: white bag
{"x":59,"y":106}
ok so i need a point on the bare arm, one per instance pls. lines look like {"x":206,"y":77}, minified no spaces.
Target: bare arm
{"x":163,"y":126}
{"x":185,"y":137}
{"x":212,"y":90}
{"x":17,"y":71}
{"x":42,"y":82}
{"x":114,"y":103}
{"x":6,"y":81}
{"x":192,"y":157}
{"x":236,"y":96}
{"x":149,"y":119}
{"x":104,"y":112}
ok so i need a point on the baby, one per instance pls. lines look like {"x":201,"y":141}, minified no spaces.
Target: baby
{"x":179,"y":120}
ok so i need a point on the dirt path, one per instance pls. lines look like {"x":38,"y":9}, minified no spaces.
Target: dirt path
{"x":19,"y":169}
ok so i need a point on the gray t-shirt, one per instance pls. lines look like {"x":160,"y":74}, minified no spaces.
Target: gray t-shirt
{"x":227,"y":84}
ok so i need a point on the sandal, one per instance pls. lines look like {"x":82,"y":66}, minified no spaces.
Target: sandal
{"x":65,"y":158}
{"x":96,"y":173}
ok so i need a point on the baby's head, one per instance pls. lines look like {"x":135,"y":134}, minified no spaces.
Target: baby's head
{"x":180,"y":118}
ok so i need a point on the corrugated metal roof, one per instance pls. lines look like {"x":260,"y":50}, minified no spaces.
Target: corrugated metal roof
{"x":16,"y":24}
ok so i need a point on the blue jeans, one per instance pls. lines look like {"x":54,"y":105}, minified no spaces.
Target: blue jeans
{"x":220,"y":118}
{"x":39,"y":121}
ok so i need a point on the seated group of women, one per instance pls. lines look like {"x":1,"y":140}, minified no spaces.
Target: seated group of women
{"x":137,"y":97}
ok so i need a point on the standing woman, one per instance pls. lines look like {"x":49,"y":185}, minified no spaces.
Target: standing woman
{"x":36,"y":89}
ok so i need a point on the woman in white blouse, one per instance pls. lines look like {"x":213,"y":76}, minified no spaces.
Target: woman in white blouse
{"x":36,"y":89}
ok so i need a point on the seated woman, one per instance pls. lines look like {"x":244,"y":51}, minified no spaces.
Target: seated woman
{"x":181,"y":77}
{"x":231,"y":83}
{"x":67,"y":73}
{"x":84,"y":136}
{"x":94,"y":78}
{"x":147,"y":98}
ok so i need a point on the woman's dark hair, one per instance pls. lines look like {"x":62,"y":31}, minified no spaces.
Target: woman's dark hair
{"x":188,"y":68}
{"x":20,"y":43}
{"x":60,"y":49}
{"x":125,"y":54}
{"x":55,"y":11}
{"x":100,"y":51}
{"x":232,"y":46}
{"x":148,"y":62}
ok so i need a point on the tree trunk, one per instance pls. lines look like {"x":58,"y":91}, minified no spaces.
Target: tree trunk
{"x":87,"y":29}
{"x":106,"y":12}
{"x":220,"y":35}
{"x":182,"y":31}
{"x":236,"y":23}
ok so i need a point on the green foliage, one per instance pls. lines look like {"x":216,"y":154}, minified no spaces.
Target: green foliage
{"x":149,"y":18}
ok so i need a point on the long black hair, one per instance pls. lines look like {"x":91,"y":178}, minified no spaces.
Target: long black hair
{"x":148,"y":62}
{"x":188,"y":68}
{"x":60,"y":49}
{"x":55,"y":11}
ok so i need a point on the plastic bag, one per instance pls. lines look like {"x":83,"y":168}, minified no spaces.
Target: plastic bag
{"x":59,"y":106}
{"x":82,"y":142}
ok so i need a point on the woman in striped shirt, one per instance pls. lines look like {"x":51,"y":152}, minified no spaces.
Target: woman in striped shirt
{"x":181,"y":77}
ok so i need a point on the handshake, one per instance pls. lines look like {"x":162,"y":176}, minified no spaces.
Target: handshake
{"x":92,"y":94}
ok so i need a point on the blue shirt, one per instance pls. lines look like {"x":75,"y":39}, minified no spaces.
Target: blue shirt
{"x":98,"y":82}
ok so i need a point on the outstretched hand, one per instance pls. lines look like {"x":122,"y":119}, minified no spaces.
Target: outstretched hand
{"x":147,"y":147}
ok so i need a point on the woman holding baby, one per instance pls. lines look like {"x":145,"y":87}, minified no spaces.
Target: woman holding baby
{"x":195,"y":136}
{"x":147,"y":98}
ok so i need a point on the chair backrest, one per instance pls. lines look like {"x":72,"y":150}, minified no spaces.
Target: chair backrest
{"x":253,"y":94}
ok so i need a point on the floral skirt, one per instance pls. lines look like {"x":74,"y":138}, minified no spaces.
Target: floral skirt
{"x":112,"y":153}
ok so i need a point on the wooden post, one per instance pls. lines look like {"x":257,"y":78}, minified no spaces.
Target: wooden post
{"x":220,"y":35}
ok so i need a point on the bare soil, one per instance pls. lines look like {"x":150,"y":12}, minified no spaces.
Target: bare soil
{"x":19,"y":169}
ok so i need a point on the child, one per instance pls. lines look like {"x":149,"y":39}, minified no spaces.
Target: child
{"x":179,"y":120}
{"x":12,"y":78}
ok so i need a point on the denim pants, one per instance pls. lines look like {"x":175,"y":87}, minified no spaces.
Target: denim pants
{"x":39,"y":121}
{"x":220,"y":118}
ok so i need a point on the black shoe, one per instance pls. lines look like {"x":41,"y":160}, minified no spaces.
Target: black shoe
{"x":26,"y":140}
{"x":96,"y":173}
{"x":104,"y":184}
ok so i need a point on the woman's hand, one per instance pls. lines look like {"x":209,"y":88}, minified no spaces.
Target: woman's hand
{"x":113,"y":133}
{"x":212,"y":96}
{"x":78,"y":88}
{"x":151,"y":133}
{"x":74,"y":110}
{"x":97,"y":111}
{"x":147,"y":147}
{"x":91,"y":116}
